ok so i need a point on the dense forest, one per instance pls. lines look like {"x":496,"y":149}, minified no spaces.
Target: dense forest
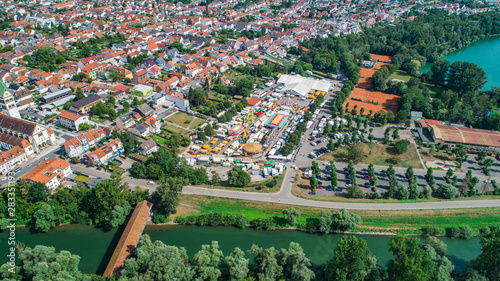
{"x":413,"y":259}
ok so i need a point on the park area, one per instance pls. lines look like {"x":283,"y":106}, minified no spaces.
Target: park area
{"x":377,"y":154}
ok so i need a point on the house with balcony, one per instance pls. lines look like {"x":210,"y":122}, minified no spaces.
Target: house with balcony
{"x":104,"y":154}
{"x":81,"y":144}
{"x":50,"y":172}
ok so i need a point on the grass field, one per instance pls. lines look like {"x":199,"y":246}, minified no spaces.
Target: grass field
{"x":181,"y":119}
{"x":381,"y":154}
{"x":176,"y":129}
{"x":159,"y":140}
{"x":373,"y":221}
{"x":400,"y":75}
{"x":196,"y":123}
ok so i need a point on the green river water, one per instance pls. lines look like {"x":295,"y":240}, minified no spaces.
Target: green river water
{"x":485,"y":53}
{"x":95,"y":246}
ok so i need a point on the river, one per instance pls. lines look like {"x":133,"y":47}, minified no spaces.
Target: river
{"x":485,"y":53}
{"x":96,"y":246}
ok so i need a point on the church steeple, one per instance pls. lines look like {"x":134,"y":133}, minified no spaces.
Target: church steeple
{"x":7,"y":102}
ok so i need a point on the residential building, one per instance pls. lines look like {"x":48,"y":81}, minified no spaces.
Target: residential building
{"x":51,"y":172}
{"x":144,"y":110}
{"x":107,"y":152}
{"x":125,"y":120}
{"x":84,"y":105}
{"x":140,"y":130}
{"x":11,"y":158}
{"x":82,"y":143}
{"x":148,"y":147}
{"x":72,"y":120}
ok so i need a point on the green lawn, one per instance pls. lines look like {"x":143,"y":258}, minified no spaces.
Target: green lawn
{"x":372,"y":221}
{"x":400,"y":75}
{"x":159,"y":140}
{"x":181,"y":119}
{"x":176,"y":129}
{"x":196,"y":123}
{"x":434,"y":90}
{"x":381,"y":154}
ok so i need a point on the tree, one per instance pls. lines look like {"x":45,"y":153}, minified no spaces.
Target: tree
{"x":355,"y":152}
{"x":126,"y":106}
{"x":487,"y":262}
{"x":448,"y":191}
{"x":460,"y":154}
{"x":414,"y":191}
{"x":118,"y":215}
{"x":410,"y":263}
{"x":395,"y":134}
{"x":313,"y":182}
{"x":344,"y":220}
{"x":215,"y":178}
{"x":352,"y":260}
{"x":401,"y":146}
{"x":333,"y":174}
{"x":166,"y":197}
{"x":449,"y":175}
{"x":79,"y":94}
{"x":410,"y":174}
{"x":157,"y":261}
{"x":287,"y":148}
{"x":387,"y":133}
{"x":114,"y":76}
{"x":43,"y":263}
{"x":207,"y":261}
{"x":38,"y":192}
{"x":238,"y":265}
{"x":430,"y":177}
{"x":84,"y":127}
{"x":439,"y":72}
{"x":237,"y":177}
{"x":315,"y":168}
{"x":295,"y":263}
{"x":465,"y":77}
{"x":266,"y":261}
{"x":403,"y":192}
{"x":373,"y":180}
{"x":438,"y":253}
{"x":325,"y":221}
{"x":44,"y":217}
{"x":209,"y":131}
{"x":291,"y":215}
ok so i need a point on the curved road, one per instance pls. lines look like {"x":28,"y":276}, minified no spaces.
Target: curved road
{"x":285,"y":196}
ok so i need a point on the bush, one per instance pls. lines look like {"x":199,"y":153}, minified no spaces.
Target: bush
{"x":264,"y":224}
{"x":157,"y":218}
{"x":214,"y":219}
{"x":466,"y":232}
{"x":431,"y":231}
{"x":485,"y":231}
{"x":448,"y":191}
{"x":453,"y":232}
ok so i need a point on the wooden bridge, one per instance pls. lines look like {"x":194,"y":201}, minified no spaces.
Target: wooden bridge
{"x":129,"y":239}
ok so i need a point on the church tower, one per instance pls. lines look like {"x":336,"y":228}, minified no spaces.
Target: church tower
{"x":7,"y":102}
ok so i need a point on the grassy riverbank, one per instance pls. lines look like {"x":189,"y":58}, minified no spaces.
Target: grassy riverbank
{"x":410,"y":222}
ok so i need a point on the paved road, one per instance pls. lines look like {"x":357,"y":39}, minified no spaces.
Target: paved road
{"x":285,"y":196}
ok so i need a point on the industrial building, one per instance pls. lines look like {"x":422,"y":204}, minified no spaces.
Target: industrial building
{"x":471,"y":138}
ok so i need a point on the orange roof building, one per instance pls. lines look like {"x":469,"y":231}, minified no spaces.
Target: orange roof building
{"x":50,"y":172}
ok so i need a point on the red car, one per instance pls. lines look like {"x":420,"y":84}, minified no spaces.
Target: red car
{"x":319,"y":187}
{"x":367,"y":177}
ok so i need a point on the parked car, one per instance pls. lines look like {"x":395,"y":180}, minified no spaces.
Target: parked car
{"x":319,"y":187}
{"x":151,"y":182}
{"x":312,"y":193}
{"x":368,"y":185}
{"x":348,"y":185}
{"x":17,"y":170}
{"x":313,"y":143}
{"x":367,"y":177}
{"x":339,"y":188}
{"x":329,"y":189}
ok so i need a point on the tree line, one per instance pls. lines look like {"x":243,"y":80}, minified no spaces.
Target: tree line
{"x":413,"y":259}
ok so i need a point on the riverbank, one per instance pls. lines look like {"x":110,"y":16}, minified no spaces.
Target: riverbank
{"x":405,"y":222}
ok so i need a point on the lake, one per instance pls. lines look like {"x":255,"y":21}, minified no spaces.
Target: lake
{"x":96,"y":246}
{"x":485,"y":53}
